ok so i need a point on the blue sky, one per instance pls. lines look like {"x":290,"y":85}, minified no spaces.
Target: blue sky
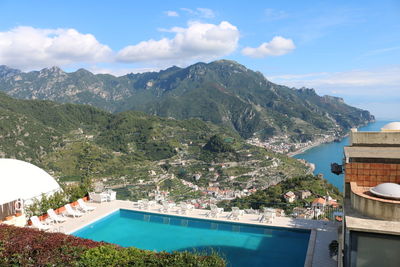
{"x":344,"y":48}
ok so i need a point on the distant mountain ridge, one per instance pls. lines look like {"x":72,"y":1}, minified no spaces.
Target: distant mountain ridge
{"x":223,"y":92}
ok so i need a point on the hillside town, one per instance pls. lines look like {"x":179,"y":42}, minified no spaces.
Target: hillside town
{"x":284,"y":145}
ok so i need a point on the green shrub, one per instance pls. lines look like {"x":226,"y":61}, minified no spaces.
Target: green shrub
{"x":218,"y":145}
{"x":57,"y":200}
{"x":109,"y":255}
{"x":31,"y":247}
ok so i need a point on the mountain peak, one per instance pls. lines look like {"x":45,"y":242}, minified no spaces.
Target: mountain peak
{"x":82,"y":71}
{"x":6,"y":72}
{"x":228,"y":64}
{"x":52,"y":70}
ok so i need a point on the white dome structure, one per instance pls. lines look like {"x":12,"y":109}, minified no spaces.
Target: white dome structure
{"x":387,"y":190}
{"x":23,"y":180}
{"x":391,"y":127}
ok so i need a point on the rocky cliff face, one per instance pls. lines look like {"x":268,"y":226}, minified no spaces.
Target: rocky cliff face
{"x":6,"y":72}
{"x":223,"y":92}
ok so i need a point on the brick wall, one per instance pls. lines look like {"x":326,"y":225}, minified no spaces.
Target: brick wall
{"x":372,"y":174}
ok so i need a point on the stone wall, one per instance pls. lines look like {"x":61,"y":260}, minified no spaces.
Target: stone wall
{"x":374,"y":138}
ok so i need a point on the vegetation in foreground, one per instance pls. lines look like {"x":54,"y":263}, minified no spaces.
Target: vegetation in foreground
{"x":29,"y":247}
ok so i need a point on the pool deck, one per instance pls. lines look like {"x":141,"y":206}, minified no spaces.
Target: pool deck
{"x":318,"y":254}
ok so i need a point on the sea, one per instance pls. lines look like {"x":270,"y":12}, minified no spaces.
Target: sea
{"x":323,"y":155}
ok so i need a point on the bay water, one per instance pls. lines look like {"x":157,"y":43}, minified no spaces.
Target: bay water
{"x":323,"y":155}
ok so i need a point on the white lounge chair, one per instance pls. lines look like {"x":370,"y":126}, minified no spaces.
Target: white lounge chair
{"x":235,"y":214}
{"x":268,"y":215}
{"x":84,"y":207}
{"x":214,"y":212}
{"x":71,"y":212}
{"x":38,"y":224}
{"x":111,"y":195}
{"x":54,"y":217}
{"x":182,"y":208}
{"x":98,"y":197}
{"x":143,"y":204}
{"x":166,"y":206}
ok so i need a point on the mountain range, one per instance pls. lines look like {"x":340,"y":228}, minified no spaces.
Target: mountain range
{"x":222,"y":92}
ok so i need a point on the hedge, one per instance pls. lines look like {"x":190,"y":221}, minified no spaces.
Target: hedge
{"x":31,"y":247}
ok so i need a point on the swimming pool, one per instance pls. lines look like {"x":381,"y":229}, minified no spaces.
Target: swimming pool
{"x":241,"y":244}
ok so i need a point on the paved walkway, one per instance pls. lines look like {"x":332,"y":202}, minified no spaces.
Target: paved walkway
{"x":321,"y":250}
{"x":325,"y":231}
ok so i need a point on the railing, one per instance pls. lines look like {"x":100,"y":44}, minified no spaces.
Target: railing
{"x":332,"y":213}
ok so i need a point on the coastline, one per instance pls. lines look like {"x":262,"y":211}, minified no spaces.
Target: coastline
{"x":314,"y":144}
{"x":320,"y":142}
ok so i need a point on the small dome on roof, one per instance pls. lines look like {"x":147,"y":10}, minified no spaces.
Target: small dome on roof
{"x":393,"y":126}
{"x":387,"y":190}
{"x":20,"y":179}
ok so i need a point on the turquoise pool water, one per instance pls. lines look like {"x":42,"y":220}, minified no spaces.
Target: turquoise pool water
{"x":241,"y":244}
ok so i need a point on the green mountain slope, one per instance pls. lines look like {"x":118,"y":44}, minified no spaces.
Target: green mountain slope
{"x":223,"y":92}
{"x":131,"y":149}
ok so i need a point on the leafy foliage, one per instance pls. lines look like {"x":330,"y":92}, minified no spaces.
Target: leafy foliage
{"x":69,"y":194}
{"x":31,"y":247}
{"x":110,"y":256}
{"x":218,"y":145}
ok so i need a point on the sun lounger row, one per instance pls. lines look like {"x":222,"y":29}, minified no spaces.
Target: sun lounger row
{"x":166,"y":206}
{"x":267,"y":215}
{"x":55,"y":218}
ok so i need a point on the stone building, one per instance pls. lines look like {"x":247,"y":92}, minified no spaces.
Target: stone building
{"x":371,"y":229}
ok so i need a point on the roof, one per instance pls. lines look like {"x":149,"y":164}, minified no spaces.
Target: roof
{"x":333,"y":203}
{"x":290,"y":194}
{"x":20,"y":179}
{"x":319,"y":200}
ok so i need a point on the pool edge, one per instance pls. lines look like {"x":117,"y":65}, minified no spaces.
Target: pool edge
{"x":310,"y":249}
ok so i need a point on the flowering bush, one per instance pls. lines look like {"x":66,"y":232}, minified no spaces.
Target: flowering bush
{"x":31,"y":247}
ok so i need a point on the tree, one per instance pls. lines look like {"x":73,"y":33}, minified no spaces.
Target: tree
{"x":86,"y":166}
{"x":217,"y":144}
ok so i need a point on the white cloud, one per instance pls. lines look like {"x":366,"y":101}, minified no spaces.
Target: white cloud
{"x":278,"y":46}
{"x":200,"y":12}
{"x":371,"y":78}
{"x":171,"y":13}
{"x":199,"y":41}
{"x":29,"y":48}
